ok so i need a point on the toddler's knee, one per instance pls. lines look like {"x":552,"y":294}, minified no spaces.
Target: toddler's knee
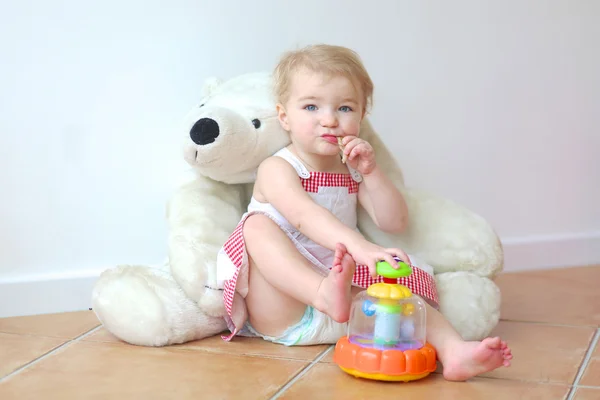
{"x":257,"y":224}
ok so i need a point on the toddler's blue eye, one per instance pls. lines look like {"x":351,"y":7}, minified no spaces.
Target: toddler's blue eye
{"x":345,"y":109}
{"x":310,"y":107}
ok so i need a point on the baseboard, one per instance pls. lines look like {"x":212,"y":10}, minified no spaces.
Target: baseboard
{"x":552,"y":251}
{"x":72,"y":291}
{"x":44,"y":294}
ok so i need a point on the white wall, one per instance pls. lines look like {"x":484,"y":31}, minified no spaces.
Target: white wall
{"x":493,"y":104}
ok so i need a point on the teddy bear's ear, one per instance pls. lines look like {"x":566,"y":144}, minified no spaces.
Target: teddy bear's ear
{"x":210,"y":85}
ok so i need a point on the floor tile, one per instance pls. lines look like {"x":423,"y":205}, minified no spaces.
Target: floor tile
{"x":64,"y":325}
{"x":563,"y":296}
{"x":254,"y":347}
{"x":591,"y":375}
{"x":18,"y":350}
{"x":587,"y":394}
{"x":327,"y":381}
{"x":108,"y":371}
{"x":103,"y":336}
{"x":542,"y":353}
{"x":239,"y":346}
{"x":328,"y":357}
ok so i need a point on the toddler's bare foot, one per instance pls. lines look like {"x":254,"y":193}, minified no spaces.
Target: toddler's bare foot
{"x":334,"y":297}
{"x":464,"y":360}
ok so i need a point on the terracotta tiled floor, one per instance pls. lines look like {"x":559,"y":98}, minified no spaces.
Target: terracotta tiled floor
{"x":550,"y":318}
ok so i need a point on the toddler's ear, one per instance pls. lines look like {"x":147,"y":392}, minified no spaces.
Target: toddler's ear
{"x":283,"y":117}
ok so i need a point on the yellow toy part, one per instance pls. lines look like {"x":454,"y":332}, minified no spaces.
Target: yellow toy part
{"x":388,"y":291}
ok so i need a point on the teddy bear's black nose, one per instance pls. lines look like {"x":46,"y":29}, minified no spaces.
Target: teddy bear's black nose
{"x":204,"y":131}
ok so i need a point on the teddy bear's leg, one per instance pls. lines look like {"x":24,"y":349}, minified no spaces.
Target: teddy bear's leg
{"x":145,"y":306}
{"x":470,"y":302}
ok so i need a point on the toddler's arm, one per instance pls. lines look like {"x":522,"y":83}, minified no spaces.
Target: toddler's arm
{"x":377,"y":194}
{"x":277,"y":183}
{"x":383,"y":202}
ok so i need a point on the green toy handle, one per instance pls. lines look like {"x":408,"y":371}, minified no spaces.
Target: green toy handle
{"x":384,"y":269}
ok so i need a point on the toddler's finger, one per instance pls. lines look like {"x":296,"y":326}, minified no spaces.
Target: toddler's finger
{"x":373,"y":269}
{"x":348,"y":139}
{"x":390,"y":260}
{"x":349,"y":147}
{"x":356,"y":151}
{"x":401,"y":255}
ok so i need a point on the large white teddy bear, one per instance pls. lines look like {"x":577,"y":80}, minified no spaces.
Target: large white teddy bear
{"x":226,"y":136}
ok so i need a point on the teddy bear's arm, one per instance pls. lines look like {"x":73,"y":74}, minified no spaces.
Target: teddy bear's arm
{"x":201,"y":216}
{"x":450,"y":237}
{"x":444,"y":234}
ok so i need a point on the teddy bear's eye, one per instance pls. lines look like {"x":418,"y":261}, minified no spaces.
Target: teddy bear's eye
{"x":256,"y":123}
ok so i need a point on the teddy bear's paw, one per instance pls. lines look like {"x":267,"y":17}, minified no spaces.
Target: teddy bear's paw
{"x":212,"y":303}
{"x":470,"y":302}
{"x":144,"y":306}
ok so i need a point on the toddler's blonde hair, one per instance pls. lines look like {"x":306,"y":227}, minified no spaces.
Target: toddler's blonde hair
{"x":326,"y":59}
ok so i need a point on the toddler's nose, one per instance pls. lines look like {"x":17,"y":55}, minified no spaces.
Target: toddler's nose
{"x":328,"y":120}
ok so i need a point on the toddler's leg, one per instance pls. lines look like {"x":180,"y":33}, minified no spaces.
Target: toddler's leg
{"x":282,"y":282}
{"x":463,"y":360}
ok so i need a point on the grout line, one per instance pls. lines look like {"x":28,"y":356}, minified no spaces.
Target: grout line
{"x":584,"y":364}
{"x":548,"y":323}
{"x":301,"y":373}
{"x":86,"y":334}
{"x":50,"y":353}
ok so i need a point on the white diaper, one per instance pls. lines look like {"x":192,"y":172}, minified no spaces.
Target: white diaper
{"x":314,"y":328}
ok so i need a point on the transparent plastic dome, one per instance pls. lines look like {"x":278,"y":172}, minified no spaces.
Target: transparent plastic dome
{"x":386,"y":337}
{"x":386,"y":323}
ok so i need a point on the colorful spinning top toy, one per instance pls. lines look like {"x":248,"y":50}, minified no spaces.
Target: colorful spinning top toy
{"x":386,"y":332}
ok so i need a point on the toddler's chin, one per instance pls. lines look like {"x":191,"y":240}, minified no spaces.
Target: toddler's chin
{"x":329,"y":152}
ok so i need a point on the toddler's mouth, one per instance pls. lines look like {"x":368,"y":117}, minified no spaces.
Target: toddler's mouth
{"x":330,"y":138}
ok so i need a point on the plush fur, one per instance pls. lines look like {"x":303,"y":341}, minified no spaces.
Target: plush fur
{"x":176,"y":302}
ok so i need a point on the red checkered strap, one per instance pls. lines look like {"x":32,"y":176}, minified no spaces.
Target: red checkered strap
{"x":304,"y":173}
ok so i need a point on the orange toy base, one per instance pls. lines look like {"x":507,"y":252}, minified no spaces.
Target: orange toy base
{"x":386,"y":365}
{"x":383,"y":377}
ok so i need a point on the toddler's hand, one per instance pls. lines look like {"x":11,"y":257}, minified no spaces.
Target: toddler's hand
{"x":369,"y":254}
{"x":360,"y":154}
